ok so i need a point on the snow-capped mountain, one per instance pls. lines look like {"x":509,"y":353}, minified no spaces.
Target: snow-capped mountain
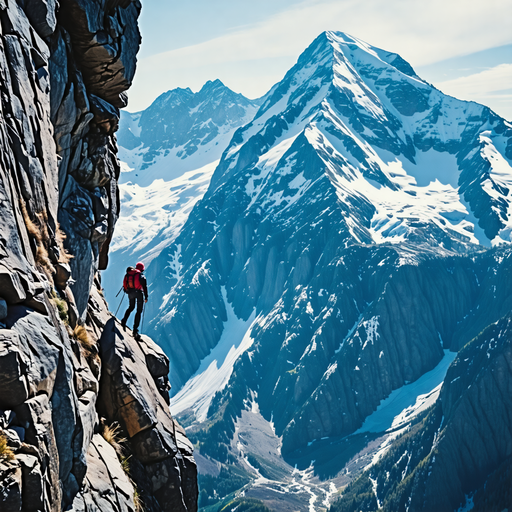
{"x":168,"y":153}
{"x":180,"y":132}
{"x":354,"y":237}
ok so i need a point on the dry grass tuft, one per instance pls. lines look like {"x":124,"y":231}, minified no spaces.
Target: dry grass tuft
{"x":32,"y":229}
{"x":88,"y":345}
{"x":137,"y":500}
{"x":6,"y":453}
{"x":40,"y":237}
{"x":125,"y":463}
{"x":80,"y":333}
{"x":64,"y":256}
{"x":112,"y":434}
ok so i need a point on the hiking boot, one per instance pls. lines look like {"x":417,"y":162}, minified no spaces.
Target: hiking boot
{"x":136,"y":333}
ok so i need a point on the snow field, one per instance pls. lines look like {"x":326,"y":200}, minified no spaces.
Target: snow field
{"x":216,"y":368}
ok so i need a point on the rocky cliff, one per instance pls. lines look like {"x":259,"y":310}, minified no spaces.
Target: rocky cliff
{"x":84,"y":417}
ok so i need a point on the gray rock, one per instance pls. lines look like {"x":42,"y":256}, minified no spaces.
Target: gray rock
{"x":175,"y":483}
{"x":6,"y":418}
{"x":156,"y":360}
{"x":20,"y":432}
{"x":134,"y":402}
{"x":60,"y":93}
{"x":13,"y":438}
{"x":10,"y":486}
{"x":37,"y":303}
{"x":17,"y":21}
{"x":62,"y":274}
{"x":72,"y":309}
{"x":13,"y":370}
{"x":58,"y":74}
{"x":29,"y":332}
{"x":42,"y":15}
{"x":10,"y":284}
{"x":36,"y":414}
{"x":106,"y":116}
{"x":33,"y":483}
{"x":149,"y":446}
{"x":106,"y":53}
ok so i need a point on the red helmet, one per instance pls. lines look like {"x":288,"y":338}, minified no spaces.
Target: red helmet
{"x":140,"y":266}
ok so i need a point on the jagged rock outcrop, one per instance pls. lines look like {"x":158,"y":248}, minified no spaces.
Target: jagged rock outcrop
{"x":64,"y":71}
{"x":134,"y":391}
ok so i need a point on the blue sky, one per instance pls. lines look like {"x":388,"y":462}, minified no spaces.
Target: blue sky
{"x":463,"y":47}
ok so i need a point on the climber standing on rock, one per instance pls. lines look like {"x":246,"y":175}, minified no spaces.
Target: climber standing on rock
{"x":135,"y":286}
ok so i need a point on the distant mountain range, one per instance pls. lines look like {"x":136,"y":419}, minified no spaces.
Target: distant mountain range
{"x":168,"y":153}
{"x":319,"y":280}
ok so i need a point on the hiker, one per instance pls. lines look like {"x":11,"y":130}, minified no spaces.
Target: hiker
{"x":134,"y":284}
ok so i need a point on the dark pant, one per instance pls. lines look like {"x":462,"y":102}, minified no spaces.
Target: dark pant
{"x":134,"y":296}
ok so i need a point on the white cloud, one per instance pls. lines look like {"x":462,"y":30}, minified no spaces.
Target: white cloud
{"x":492,"y":87}
{"x":422,"y":32}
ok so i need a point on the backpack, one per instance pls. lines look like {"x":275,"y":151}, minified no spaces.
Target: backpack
{"x":131,"y":280}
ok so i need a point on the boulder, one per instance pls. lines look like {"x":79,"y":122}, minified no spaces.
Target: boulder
{"x":62,"y":275}
{"x":106,"y":116}
{"x":10,"y":284}
{"x":129,"y":395}
{"x":156,"y":360}
{"x":37,"y":341}
{"x":37,"y":303}
{"x":14,"y":438}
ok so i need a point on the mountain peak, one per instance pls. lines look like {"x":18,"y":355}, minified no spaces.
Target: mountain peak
{"x":174,"y":97}
{"x":212,"y":85}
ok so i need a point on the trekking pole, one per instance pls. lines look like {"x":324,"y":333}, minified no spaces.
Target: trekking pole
{"x":119,"y":291}
{"x":122,"y":298}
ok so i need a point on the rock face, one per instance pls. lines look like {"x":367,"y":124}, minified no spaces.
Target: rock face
{"x":64,"y":71}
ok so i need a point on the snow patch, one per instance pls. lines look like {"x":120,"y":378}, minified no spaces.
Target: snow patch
{"x":406,"y":402}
